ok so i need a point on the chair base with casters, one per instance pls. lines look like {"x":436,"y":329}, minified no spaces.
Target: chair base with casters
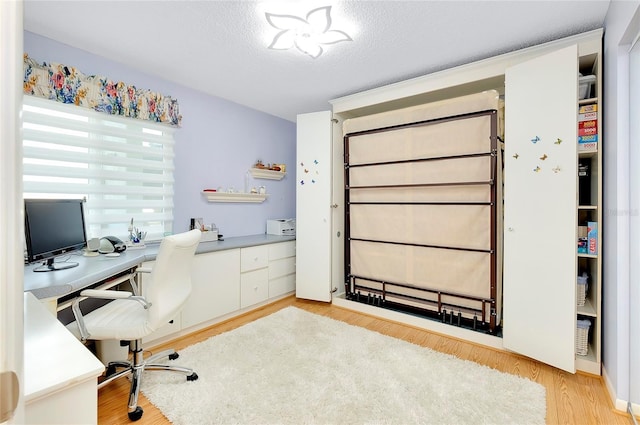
{"x":136,"y":367}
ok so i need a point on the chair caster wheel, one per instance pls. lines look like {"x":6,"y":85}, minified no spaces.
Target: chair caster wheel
{"x":192,"y":377}
{"x":136,"y":414}
{"x":173,"y":356}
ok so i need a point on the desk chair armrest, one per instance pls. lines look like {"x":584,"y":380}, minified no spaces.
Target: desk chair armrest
{"x":113,"y":295}
{"x":143,"y":270}
{"x":105,"y":295}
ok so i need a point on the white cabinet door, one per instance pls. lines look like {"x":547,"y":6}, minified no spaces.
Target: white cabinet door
{"x":313,"y":206}
{"x":540,"y":219}
{"x":216,"y":287}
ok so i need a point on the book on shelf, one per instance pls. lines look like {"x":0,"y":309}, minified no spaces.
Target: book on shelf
{"x":588,"y":108}
{"x":592,"y":238}
{"x":587,"y":116}
{"x":588,"y":124}
{"x":587,"y":131}
{"x":588,"y":143}
{"x":588,"y":127}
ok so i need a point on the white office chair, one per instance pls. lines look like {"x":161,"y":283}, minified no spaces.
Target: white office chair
{"x":130,"y":316}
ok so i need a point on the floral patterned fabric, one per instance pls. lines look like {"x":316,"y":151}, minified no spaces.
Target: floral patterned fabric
{"x":66,"y":84}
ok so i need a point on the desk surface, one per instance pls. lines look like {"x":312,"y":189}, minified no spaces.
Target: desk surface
{"x":53,"y":357}
{"x":90,"y":270}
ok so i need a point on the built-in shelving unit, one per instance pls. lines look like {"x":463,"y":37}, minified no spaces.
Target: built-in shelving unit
{"x":234,"y":197}
{"x":261,"y":173}
{"x":589,"y":210}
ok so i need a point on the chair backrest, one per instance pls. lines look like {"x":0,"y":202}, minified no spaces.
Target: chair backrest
{"x":169,"y":285}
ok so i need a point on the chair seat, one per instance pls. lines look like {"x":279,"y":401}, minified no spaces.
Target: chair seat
{"x":120,"y":319}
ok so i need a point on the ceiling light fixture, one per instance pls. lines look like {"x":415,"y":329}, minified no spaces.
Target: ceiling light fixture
{"x":307,"y":35}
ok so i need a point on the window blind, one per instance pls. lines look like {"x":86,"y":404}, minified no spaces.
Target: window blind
{"x":123,"y":167}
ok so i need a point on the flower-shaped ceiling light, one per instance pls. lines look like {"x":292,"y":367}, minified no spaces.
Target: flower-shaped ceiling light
{"x":306,"y":34}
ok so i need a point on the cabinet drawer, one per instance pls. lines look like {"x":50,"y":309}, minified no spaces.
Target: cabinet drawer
{"x":282,"y":250}
{"x":282,"y":267}
{"x":254,"y":287}
{"x":282,"y":285}
{"x":253,"y":258}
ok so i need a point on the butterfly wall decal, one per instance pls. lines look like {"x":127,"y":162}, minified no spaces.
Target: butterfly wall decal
{"x":537,"y":169}
{"x":544,"y":156}
{"x":535,"y":139}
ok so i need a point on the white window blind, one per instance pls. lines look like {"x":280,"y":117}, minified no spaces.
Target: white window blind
{"x":123,"y":167}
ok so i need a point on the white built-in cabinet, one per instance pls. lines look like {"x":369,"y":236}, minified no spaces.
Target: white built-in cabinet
{"x":314,"y":206}
{"x":542,"y":212}
{"x":231,"y":281}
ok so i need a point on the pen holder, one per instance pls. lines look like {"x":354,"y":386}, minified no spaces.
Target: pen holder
{"x":136,"y":239}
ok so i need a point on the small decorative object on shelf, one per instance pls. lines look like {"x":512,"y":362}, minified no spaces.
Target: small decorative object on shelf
{"x":269,"y":171}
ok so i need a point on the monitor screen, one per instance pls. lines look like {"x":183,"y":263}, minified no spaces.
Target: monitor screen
{"x":53,"y":227}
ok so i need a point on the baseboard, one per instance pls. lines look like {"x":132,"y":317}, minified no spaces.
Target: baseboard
{"x":618,"y":404}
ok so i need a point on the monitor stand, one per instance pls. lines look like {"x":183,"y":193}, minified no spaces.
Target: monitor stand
{"x":51,"y":266}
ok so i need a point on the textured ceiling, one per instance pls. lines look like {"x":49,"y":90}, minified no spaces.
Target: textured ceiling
{"x":227,"y":40}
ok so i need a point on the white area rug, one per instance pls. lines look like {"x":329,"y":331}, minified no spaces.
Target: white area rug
{"x":295,"y":367}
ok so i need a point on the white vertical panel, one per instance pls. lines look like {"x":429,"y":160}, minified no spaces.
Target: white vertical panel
{"x":11,"y":221}
{"x":634,"y":201}
{"x":313,"y":206}
{"x":540,"y":208}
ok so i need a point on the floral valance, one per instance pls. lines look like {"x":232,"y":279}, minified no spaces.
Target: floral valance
{"x":66,"y":84}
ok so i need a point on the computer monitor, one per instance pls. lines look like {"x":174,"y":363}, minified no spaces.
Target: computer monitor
{"x":53,"y":227}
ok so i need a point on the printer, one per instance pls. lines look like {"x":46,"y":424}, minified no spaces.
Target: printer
{"x":281,"y":227}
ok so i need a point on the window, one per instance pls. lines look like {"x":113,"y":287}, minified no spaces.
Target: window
{"x":123,"y":167}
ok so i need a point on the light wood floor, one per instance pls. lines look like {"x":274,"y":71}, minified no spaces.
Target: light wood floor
{"x":571,"y":399}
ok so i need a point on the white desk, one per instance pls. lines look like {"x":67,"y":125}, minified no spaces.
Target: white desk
{"x":51,"y":286}
{"x":60,"y":374}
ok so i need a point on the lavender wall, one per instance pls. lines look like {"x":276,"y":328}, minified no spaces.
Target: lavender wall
{"x":218,"y":142}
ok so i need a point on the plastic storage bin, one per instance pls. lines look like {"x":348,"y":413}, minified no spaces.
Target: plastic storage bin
{"x":586,"y":83}
{"x":582,"y":337}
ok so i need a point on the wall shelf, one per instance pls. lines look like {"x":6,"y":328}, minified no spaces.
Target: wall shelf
{"x":234,"y":197}
{"x":260,"y":173}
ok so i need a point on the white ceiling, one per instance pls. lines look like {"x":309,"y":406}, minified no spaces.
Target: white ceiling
{"x":227,"y":41}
